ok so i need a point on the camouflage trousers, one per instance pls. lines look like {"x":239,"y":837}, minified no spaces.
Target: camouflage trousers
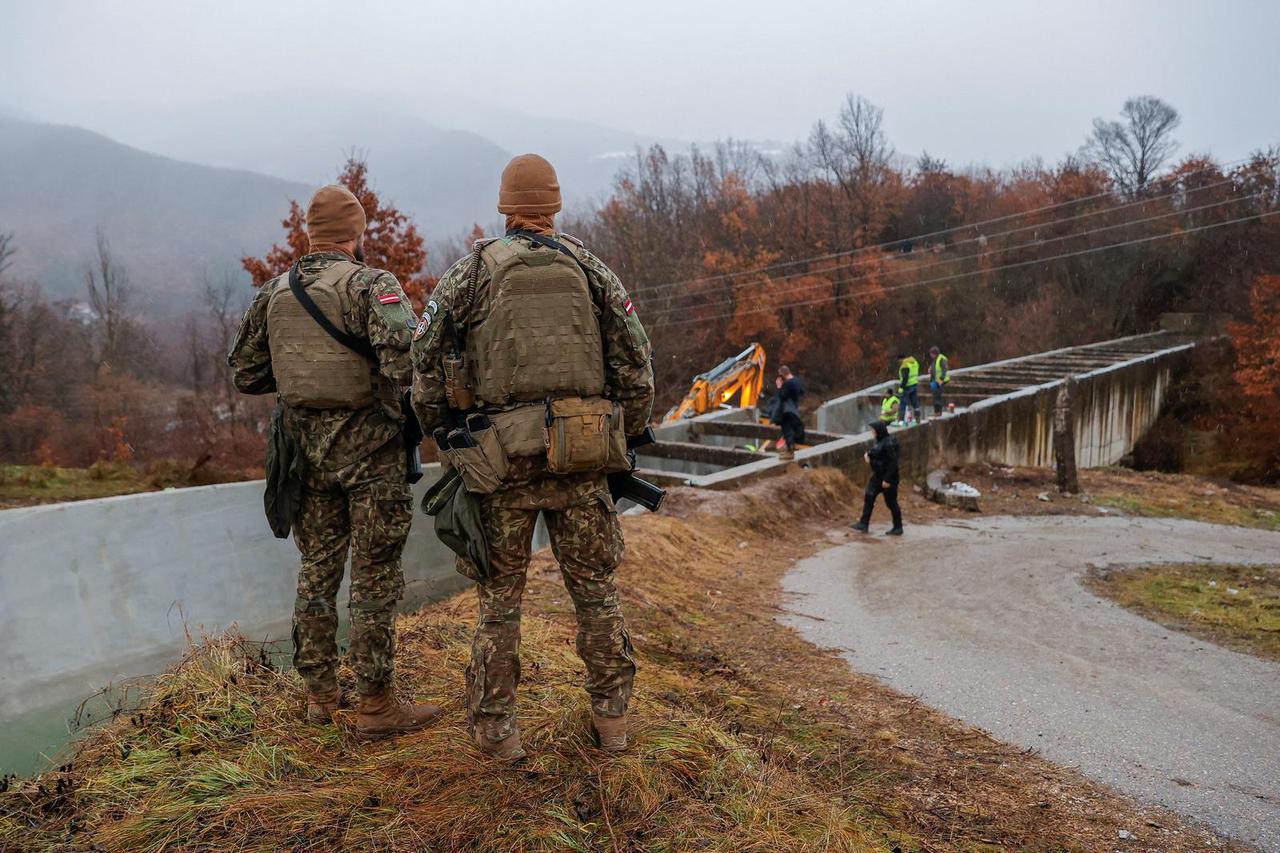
{"x":364,"y":507}
{"x":587,"y":542}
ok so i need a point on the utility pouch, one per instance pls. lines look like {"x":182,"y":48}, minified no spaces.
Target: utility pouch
{"x":457,"y":383}
{"x":478,"y":456}
{"x":578,"y":434}
{"x":618,"y":459}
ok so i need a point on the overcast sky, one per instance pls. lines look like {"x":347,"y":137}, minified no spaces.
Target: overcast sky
{"x":991,"y":82}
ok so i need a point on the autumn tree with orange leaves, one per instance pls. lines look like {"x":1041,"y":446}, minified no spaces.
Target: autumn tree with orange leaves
{"x":1257,"y":347}
{"x":391,"y":239}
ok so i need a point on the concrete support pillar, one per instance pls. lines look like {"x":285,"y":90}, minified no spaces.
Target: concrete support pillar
{"x":1064,"y":440}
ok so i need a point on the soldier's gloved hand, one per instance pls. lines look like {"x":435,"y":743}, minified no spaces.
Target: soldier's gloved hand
{"x":631,"y":460}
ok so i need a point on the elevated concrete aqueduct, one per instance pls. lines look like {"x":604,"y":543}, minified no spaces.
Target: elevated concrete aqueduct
{"x":95,"y":591}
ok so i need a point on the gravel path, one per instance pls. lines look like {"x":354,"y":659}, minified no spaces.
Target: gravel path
{"x":989,"y":621}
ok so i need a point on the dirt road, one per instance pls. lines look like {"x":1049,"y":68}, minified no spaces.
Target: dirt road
{"x":988,"y":620}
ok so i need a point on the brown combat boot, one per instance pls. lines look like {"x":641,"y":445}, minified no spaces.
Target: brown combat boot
{"x":382,"y":715}
{"x":321,"y":704}
{"x":611,"y":732}
{"x":509,"y":749}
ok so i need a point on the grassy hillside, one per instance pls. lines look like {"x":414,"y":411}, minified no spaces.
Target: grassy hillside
{"x":745,"y":737}
{"x":167,"y":221}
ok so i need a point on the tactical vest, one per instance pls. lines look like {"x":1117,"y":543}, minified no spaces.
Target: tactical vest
{"x":312,"y":370}
{"x":533,"y":329}
{"x":913,"y":371}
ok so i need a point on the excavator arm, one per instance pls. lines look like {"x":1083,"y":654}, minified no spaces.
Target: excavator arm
{"x":741,"y":375}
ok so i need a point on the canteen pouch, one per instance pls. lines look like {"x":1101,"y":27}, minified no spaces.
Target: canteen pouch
{"x":578,"y":434}
{"x":483,"y":465}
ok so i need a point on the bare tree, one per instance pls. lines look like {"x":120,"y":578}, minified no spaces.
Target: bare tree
{"x":7,"y":251}
{"x":855,"y":155}
{"x":109,"y":291}
{"x":7,"y":307}
{"x":225,"y":302}
{"x":1135,"y":148}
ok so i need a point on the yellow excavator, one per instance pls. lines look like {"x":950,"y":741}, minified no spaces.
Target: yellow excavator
{"x":742,"y":374}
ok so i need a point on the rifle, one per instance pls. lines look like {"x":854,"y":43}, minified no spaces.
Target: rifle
{"x":412,"y":434}
{"x":625,"y":484}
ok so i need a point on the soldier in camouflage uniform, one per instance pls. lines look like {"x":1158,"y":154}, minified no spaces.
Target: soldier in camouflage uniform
{"x":343,"y":411}
{"x":581,"y":519}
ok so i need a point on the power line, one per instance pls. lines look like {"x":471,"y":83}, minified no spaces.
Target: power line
{"x":957,"y":276}
{"x":925,"y":236}
{"x":1034,"y":226}
{"x":1075,"y":236}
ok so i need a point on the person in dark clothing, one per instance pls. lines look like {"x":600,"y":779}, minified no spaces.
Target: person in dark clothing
{"x":786,"y":411}
{"x":883,"y":459}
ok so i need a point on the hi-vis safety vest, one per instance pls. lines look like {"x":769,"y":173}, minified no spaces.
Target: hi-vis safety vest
{"x":534,"y":329}
{"x":889,"y":408}
{"x":913,"y":371}
{"x":941,"y":373}
{"x":312,"y":370}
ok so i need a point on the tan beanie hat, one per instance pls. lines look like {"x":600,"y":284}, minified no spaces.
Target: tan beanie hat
{"x":334,"y":216}
{"x":529,"y":185}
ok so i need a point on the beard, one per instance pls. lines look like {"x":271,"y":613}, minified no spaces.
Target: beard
{"x":358,"y":254}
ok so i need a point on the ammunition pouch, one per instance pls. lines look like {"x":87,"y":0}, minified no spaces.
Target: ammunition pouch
{"x":482,"y":462}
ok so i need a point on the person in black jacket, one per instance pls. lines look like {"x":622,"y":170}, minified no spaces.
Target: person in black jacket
{"x":883,"y":459}
{"x":786,"y":412}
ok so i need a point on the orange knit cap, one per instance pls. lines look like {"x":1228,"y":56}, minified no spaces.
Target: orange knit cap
{"x":529,"y":186}
{"x":334,"y":216}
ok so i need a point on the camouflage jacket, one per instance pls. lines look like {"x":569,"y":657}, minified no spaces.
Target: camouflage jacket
{"x":627,"y":362}
{"x":334,"y":438}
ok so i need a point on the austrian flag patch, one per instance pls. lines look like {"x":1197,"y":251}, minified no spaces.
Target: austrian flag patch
{"x":389,"y":298}
{"x":628,"y":307}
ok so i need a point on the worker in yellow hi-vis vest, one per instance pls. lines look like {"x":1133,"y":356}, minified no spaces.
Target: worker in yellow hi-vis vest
{"x":939,"y":376}
{"x":909,"y":381}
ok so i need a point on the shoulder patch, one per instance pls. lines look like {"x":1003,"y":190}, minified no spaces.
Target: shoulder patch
{"x":389,"y":298}
{"x":429,"y":314}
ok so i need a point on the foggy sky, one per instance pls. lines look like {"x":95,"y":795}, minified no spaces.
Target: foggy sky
{"x":992,"y":82}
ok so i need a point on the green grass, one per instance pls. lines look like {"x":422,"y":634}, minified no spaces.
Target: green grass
{"x":24,"y":485}
{"x":1214,"y":512}
{"x":28,"y":485}
{"x":1235,"y":606}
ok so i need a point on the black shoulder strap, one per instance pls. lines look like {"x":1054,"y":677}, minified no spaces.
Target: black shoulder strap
{"x":351,"y":342}
{"x":543,"y":240}
{"x":550,"y":243}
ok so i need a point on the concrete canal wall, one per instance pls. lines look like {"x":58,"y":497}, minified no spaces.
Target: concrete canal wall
{"x":95,"y":591}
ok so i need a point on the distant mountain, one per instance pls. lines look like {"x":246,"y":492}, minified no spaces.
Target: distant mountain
{"x":448,"y":179}
{"x":435,"y":157}
{"x":167,"y":221}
